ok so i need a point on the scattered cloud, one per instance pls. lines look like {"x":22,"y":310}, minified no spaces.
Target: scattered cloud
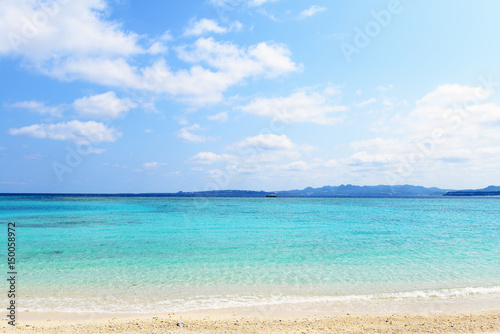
{"x":264,"y":142}
{"x":268,"y":15}
{"x":75,"y":131}
{"x":451,"y":125}
{"x":365,"y":103}
{"x":203,"y":26}
{"x":311,"y":11}
{"x":106,"y":105}
{"x":385,"y":88}
{"x":153,"y":165}
{"x":449,"y":95}
{"x":220,"y":117}
{"x":38,"y":107}
{"x":362,"y":158}
{"x":187,"y":133}
{"x":14,"y":183}
{"x":229,"y":65}
{"x":55,"y":39}
{"x":296,"y":166}
{"x":208,"y":158}
{"x":36,"y":156}
{"x":106,"y":54}
{"x":300,"y":107}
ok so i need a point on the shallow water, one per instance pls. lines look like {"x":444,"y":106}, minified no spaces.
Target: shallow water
{"x":158,"y":254}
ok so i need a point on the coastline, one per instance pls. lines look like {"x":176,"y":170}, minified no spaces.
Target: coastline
{"x":466,"y":314}
{"x":231,"y":321}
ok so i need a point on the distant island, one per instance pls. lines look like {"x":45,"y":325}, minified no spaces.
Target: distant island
{"x":488,"y":191}
{"x":349,"y":190}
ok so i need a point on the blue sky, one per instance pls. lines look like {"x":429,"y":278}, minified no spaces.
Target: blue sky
{"x":150,"y":96}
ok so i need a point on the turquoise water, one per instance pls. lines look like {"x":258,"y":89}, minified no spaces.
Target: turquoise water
{"x":158,"y":254}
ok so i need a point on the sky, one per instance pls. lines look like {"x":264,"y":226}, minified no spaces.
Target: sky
{"x":134,"y":96}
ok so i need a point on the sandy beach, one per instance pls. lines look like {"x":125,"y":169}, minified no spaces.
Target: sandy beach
{"x":220,"y":322}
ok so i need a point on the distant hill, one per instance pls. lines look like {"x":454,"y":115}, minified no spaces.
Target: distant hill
{"x":347,"y":190}
{"x":488,"y":191}
{"x":326,"y":191}
{"x":350,"y":190}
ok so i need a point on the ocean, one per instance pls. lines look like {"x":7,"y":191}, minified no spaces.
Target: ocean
{"x":164,"y":254}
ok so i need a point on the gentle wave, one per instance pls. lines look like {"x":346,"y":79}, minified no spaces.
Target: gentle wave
{"x":114,"y":305}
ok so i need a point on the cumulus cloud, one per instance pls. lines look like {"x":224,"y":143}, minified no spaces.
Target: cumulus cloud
{"x":104,"y":53}
{"x":300,"y":107}
{"x":227,"y":64}
{"x":449,"y":129}
{"x":75,"y":131}
{"x":106,"y":105}
{"x":43,"y":31}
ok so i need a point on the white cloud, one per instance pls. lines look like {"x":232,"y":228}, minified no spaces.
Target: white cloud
{"x":235,"y":3}
{"x":104,"y":53}
{"x":76,"y":131}
{"x":363,"y":157}
{"x":100,"y":70}
{"x":38,"y":107}
{"x":493,"y":150}
{"x":187,"y":134}
{"x":238,"y":63}
{"x":259,"y":2}
{"x":208,"y":158}
{"x":450,"y":132}
{"x":220,"y":117}
{"x":385,"y":88}
{"x":300,"y":107}
{"x":40,"y":32}
{"x":296,"y":166}
{"x":365,"y":103}
{"x":311,"y":11}
{"x":203,"y":26}
{"x":264,"y":142}
{"x":153,"y":165}
{"x":106,"y":105}
{"x":448,"y":95}
{"x":230,"y":65}
{"x":390,"y":144}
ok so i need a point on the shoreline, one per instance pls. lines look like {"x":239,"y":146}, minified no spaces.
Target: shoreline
{"x":232,"y":321}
